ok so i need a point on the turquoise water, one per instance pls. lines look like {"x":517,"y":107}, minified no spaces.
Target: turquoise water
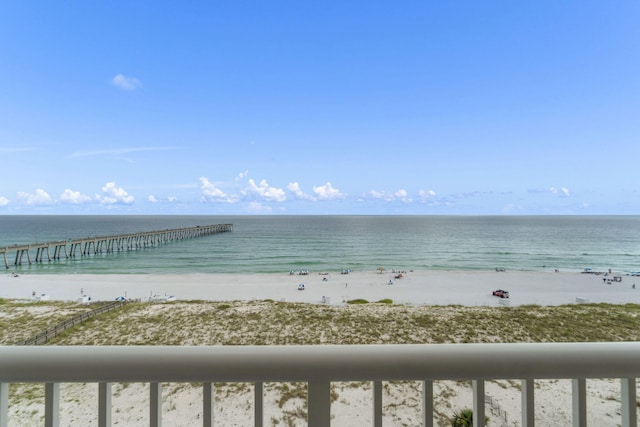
{"x":266,"y":244}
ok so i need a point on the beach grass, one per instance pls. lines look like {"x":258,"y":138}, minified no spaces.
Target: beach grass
{"x":269,"y":322}
{"x":20,"y":320}
{"x":283,"y":323}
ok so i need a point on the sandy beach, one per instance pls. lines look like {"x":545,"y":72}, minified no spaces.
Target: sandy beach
{"x":468,"y":288}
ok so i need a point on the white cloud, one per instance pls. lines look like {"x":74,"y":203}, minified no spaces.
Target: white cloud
{"x":151,"y":198}
{"x":241,"y":176}
{"x":380,"y":195}
{"x":114,"y":195}
{"x":212,"y":193}
{"x":40,"y":197}
{"x":426,"y":195}
{"x":4,"y":201}
{"x":73,"y":197}
{"x":564,"y":191}
{"x":265,"y":191}
{"x":327,"y":192}
{"x":294,"y":187}
{"x":125,"y":82}
{"x":403,"y":196}
{"x":256,"y":207}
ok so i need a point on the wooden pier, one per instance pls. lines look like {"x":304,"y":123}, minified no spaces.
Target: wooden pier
{"x":106,"y":244}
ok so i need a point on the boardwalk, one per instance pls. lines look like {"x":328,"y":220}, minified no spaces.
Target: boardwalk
{"x":105,"y":244}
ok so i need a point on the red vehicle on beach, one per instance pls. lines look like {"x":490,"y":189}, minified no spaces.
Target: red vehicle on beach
{"x":501,"y":293}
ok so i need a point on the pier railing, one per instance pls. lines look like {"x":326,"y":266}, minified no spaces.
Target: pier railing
{"x":318,"y":366}
{"x":105,"y":244}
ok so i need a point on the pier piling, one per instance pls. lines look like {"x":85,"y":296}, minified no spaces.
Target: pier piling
{"x":107,"y":244}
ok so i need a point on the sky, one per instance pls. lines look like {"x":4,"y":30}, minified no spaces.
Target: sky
{"x":288,"y":107}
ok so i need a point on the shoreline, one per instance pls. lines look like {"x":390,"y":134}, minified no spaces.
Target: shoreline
{"x":432,"y":287}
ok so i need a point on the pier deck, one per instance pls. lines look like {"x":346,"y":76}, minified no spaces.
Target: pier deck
{"x":105,"y":244}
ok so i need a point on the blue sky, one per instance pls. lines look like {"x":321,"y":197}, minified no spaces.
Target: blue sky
{"x":412,"y":107}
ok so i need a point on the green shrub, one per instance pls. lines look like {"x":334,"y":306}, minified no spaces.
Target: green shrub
{"x":464,"y":418}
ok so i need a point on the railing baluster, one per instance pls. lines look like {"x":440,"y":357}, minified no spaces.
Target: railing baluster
{"x":104,"y":405}
{"x":4,"y":404}
{"x":628,"y":397}
{"x":427,"y":403}
{"x":377,"y":403}
{"x":208,"y":393}
{"x":579,"y":399}
{"x":319,"y":403}
{"x":155,"y":407}
{"x":258,"y":404}
{"x":51,"y":404}
{"x":528,"y":403}
{"x":478,"y":403}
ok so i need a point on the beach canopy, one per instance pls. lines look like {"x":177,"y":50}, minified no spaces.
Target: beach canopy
{"x":381,"y":269}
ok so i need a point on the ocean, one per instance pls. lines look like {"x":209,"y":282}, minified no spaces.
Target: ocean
{"x":276,"y":244}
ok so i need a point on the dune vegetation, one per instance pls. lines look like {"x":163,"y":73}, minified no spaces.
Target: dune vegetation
{"x":281,"y":323}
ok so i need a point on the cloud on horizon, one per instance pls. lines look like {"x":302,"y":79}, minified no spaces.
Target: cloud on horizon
{"x":39,"y":198}
{"x":114,"y":195}
{"x":265,"y":191}
{"x":210,"y":192}
{"x":294,"y":187}
{"x":327,"y":192}
{"x":426,"y":195}
{"x":564,"y":191}
{"x":253,"y":196}
{"x":73,"y":197}
{"x":387,"y":196}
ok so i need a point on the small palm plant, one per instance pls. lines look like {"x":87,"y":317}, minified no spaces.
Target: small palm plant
{"x":464,"y":418}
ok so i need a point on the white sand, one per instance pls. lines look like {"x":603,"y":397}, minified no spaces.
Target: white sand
{"x":419,"y":287}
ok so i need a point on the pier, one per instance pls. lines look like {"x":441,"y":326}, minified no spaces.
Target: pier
{"x":104,"y":244}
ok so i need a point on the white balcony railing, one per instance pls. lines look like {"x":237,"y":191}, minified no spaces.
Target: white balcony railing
{"x":319,"y":366}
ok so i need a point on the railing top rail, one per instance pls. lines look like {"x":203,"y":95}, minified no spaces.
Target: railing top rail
{"x":319,"y":362}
